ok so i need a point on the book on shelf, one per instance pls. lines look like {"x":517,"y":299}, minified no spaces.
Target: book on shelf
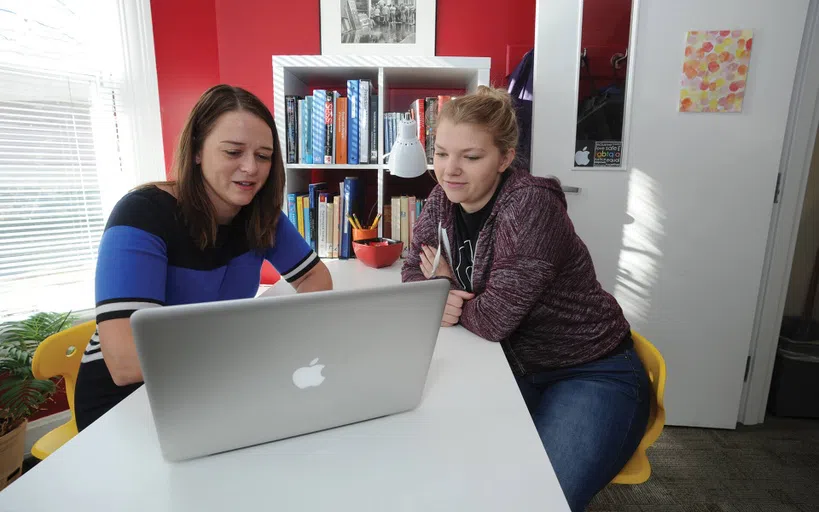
{"x":313,"y":191}
{"x":352,"y":121}
{"x":341,"y":130}
{"x":292,"y":140}
{"x":318,"y":128}
{"x":386,"y":221}
{"x":330,"y":128}
{"x":417,"y":112}
{"x":351,"y":204}
{"x":430,"y":117}
{"x":291,"y":210}
{"x":374,"y":129}
{"x":364,"y":90}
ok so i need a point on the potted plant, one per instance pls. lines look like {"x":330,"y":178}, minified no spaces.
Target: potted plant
{"x":21,"y":395}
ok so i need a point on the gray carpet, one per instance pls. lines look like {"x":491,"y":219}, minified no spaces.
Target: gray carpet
{"x":768,"y":468}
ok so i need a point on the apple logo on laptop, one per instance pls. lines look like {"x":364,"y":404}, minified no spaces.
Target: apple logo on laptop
{"x":309,"y":376}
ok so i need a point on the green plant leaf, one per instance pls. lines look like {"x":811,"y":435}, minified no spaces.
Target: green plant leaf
{"x":36,"y":328}
{"x":21,"y":398}
{"x":21,"y":395}
{"x":22,"y":356}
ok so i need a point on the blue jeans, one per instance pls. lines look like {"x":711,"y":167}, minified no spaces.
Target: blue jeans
{"x":590,"y":418}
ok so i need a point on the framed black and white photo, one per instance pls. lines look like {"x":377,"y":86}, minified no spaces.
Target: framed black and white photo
{"x":378,"y":27}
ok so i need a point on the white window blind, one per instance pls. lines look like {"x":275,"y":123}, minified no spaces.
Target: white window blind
{"x":66,"y":148}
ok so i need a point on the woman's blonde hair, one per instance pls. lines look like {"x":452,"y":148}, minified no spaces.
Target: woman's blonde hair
{"x":489,"y":108}
{"x":262,"y":214}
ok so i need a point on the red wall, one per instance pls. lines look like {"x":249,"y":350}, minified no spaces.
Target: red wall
{"x":199,"y":43}
{"x":187,"y":60}
{"x":250,"y":32}
{"x":483,"y":28}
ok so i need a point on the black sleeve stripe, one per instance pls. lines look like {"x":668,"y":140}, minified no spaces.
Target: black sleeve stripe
{"x":129,"y":299}
{"x":121,"y":310}
{"x":310,"y":261}
{"x":113,"y":315}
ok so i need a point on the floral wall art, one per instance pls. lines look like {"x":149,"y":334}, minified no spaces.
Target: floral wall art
{"x":715,"y":70}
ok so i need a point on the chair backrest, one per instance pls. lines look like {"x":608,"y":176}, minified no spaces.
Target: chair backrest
{"x":655,"y":367}
{"x":60,"y":355}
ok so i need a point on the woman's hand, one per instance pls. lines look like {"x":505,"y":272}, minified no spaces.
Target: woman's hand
{"x":427,"y":258}
{"x":454,"y":307}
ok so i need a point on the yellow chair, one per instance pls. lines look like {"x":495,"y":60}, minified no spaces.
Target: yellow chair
{"x":60,"y":355}
{"x":637,"y":469}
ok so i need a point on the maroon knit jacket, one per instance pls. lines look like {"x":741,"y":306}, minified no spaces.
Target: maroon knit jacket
{"x":536,"y":291}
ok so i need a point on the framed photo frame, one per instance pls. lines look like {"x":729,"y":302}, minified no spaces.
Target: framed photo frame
{"x":378,"y":27}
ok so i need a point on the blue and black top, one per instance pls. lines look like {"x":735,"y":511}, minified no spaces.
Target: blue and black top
{"x":148,"y":258}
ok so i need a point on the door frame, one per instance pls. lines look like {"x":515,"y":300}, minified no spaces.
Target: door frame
{"x":800,"y":136}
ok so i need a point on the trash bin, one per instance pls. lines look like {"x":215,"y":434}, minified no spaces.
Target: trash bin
{"x":795,"y":382}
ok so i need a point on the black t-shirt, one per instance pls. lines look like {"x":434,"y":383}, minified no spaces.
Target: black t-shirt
{"x":467,"y":228}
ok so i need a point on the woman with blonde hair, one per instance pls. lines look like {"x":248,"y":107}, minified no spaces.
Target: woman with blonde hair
{"x":201,"y":237}
{"x":521,"y":276}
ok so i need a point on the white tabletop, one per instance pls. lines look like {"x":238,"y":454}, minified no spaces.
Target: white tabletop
{"x":470,"y":445}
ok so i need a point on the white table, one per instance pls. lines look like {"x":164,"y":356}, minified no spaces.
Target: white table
{"x":470,"y":445}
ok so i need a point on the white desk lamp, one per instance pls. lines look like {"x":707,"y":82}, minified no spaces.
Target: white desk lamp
{"x":407,"y":158}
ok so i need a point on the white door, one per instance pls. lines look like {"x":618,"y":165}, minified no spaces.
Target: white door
{"x":679,"y":236}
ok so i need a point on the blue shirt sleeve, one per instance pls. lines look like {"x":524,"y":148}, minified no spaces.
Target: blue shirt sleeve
{"x":290,"y":255}
{"x":132,"y":262}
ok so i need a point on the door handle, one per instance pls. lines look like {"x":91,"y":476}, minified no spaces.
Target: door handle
{"x":570,"y":190}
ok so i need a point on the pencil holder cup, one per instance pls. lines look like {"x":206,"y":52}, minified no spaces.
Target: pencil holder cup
{"x":364,"y":234}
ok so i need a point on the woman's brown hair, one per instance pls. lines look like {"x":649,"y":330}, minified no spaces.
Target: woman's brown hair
{"x":262,"y":214}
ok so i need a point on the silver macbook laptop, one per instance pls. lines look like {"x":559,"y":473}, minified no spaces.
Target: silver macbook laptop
{"x":230,"y":374}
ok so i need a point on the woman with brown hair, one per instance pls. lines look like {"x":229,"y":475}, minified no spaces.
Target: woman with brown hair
{"x":200,"y":238}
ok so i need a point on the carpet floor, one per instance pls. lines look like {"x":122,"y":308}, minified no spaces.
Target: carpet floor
{"x":772,"y":467}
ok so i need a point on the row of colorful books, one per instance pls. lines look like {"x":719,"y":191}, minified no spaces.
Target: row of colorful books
{"x":321,"y":216}
{"x":327,"y":128}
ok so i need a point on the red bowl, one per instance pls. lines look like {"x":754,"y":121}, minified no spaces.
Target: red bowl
{"x":378,"y":252}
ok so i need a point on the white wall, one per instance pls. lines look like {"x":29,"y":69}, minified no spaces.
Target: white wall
{"x":807,"y":243}
{"x":679,"y":237}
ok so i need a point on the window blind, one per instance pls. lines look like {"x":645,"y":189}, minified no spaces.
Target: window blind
{"x":64,"y":154}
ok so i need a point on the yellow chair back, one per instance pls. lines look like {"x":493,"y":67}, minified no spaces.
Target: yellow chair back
{"x":60,"y":355}
{"x":637,"y":469}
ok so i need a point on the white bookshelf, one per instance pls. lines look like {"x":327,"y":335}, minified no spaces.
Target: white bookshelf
{"x":300,"y":74}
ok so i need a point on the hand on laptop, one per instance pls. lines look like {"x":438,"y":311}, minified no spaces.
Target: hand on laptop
{"x":428,"y":264}
{"x":454,"y":307}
